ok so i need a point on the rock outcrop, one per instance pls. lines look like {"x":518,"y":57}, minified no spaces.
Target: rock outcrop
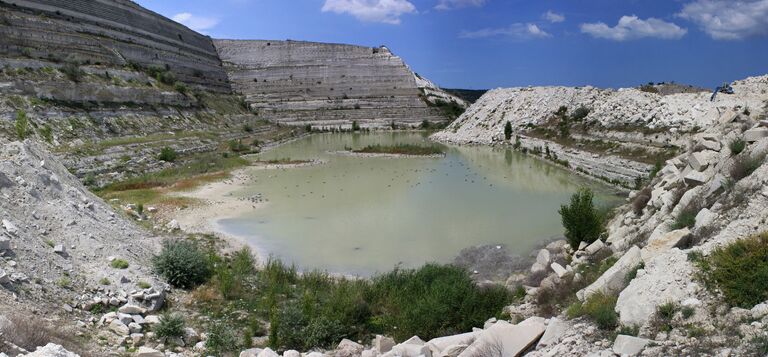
{"x":624,"y":131}
{"x":108,"y":32}
{"x":327,"y":85}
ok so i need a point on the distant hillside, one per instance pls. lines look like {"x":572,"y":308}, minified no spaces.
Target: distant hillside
{"x":470,"y":95}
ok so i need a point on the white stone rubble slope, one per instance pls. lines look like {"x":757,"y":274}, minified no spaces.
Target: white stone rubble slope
{"x":727,"y":207}
{"x":629,"y":117}
{"x":483,"y":122}
{"x":57,"y":240}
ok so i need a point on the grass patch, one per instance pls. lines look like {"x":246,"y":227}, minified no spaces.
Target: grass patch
{"x":739,"y":271}
{"x":744,"y":165}
{"x":119,"y":264}
{"x":401,"y":149}
{"x":737,"y":146}
{"x":314,"y":309}
{"x":599,"y":308}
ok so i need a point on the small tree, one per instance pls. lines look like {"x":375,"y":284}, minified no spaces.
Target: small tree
{"x":182,"y":264}
{"x":581,"y":220}
{"x":22,"y":125}
{"x":355,"y":126}
{"x":167,"y":154}
{"x":508,"y":131}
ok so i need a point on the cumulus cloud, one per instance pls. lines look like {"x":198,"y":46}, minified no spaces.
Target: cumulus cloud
{"x":385,"y":11}
{"x":194,"y":22}
{"x":517,"y":31}
{"x":728,"y":19}
{"x":553,"y":17}
{"x":456,"y":4}
{"x":632,"y":27}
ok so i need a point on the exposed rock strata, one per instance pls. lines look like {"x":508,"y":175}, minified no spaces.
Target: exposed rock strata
{"x":326,"y":85}
{"x":109,"y":32}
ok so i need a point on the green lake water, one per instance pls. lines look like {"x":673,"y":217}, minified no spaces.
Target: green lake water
{"x":360,"y":216}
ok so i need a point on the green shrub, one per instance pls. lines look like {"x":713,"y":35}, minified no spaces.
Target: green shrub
{"x":237,"y":146}
{"x":72,"y":71}
{"x":355,"y":126}
{"x":686,"y":219}
{"x":21,"y":125}
{"x":737,"y":146}
{"x":739,"y":270}
{"x":507,"y":131}
{"x":119,"y":264}
{"x":579,"y":114}
{"x":688,"y":312}
{"x":170,"y":326}
{"x":104,"y":281}
{"x":143,"y":285}
{"x":582,"y":222}
{"x":182,"y":264}
{"x":425,"y":124}
{"x":666,"y":311}
{"x":47,"y":133}
{"x":249,"y":128}
{"x":166,"y":77}
{"x":222,"y":340}
{"x":180,"y":87}
{"x":432,"y":301}
{"x":599,"y":308}
{"x":167,"y":154}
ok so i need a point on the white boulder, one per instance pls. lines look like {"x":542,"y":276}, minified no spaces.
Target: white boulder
{"x":629,"y":345}
{"x":612,"y":280}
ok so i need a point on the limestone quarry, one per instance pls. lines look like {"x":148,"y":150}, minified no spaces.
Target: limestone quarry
{"x":110,"y":114}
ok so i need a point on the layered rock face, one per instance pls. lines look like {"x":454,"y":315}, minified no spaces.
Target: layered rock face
{"x":108,"y":32}
{"x":325,"y":85}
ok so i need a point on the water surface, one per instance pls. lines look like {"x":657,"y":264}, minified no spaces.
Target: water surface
{"x":360,"y":215}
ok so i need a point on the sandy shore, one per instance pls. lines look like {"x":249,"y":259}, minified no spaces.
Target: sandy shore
{"x":217,"y":201}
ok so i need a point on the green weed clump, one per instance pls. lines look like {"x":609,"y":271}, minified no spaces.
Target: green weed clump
{"x":167,"y":154}
{"x":119,"y":264}
{"x":737,"y":146}
{"x":581,"y":220}
{"x":738,"y":270}
{"x":170,"y":326}
{"x":599,"y":308}
{"x":183,"y":264}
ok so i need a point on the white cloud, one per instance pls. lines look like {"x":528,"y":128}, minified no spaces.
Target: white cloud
{"x":456,"y":4}
{"x":386,"y":11}
{"x":517,"y":31}
{"x":194,"y":22}
{"x":553,"y":17}
{"x":632,"y":27}
{"x":728,"y":19}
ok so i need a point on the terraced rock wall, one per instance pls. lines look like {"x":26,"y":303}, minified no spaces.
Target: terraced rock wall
{"x":325,"y":85}
{"x":108,"y":32}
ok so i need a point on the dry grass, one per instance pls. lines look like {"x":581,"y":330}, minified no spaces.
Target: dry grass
{"x":29,"y":332}
{"x":641,"y":200}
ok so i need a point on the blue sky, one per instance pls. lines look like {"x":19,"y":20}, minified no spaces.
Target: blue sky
{"x":503,"y":43}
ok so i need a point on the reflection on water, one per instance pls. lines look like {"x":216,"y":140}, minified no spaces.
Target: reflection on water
{"x":363,"y":215}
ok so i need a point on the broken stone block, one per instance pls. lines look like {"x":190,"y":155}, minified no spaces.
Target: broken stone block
{"x":613,"y":279}
{"x":695,"y":178}
{"x":629,"y":345}
{"x":558,"y":269}
{"x":595,"y":247}
{"x":700,"y":160}
{"x":659,"y":244}
{"x":755,"y":134}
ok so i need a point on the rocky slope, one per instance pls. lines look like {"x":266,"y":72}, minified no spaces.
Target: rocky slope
{"x":622,"y":135}
{"x":329,"y":85}
{"x":108,"y":32}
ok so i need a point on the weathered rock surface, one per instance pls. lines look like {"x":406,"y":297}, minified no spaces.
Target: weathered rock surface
{"x":612,"y":280}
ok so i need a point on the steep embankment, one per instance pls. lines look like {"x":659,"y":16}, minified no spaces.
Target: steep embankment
{"x":623,"y":133}
{"x":108,"y":84}
{"x":329,"y":85}
{"x":108,"y":32}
